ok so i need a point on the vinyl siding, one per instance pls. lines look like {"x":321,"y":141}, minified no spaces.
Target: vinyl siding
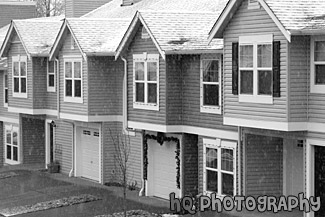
{"x":18,"y":49}
{"x":139,"y":46}
{"x":105,"y":86}
{"x":9,"y":12}
{"x":253,"y":22}
{"x":316,"y":135}
{"x":51,"y":97}
{"x":109,"y":166}
{"x":33,"y":140}
{"x":68,"y":107}
{"x":299,"y":77}
{"x":39,"y":82}
{"x":4,"y":110}
{"x":64,"y":145}
{"x":77,"y":8}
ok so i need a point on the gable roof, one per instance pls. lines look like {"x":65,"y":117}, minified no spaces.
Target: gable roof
{"x":291,"y":16}
{"x":36,"y":35}
{"x":94,"y":36}
{"x":175,"y":32}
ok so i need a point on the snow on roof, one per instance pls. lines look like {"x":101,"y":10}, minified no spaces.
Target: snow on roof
{"x":98,"y":36}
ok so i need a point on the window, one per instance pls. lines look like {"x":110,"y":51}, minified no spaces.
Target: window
{"x":73,"y":80}
{"x":5,"y":78}
{"x":317,"y":65}
{"x":51,"y":69}
{"x":146,"y":81}
{"x":19,"y":74}
{"x":210,"y":87}
{"x":255,"y":69}
{"x":219,"y":167}
{"x":11,"y":145}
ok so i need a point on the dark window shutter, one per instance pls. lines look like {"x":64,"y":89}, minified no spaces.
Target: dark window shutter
{"x":276,"y":69}
{"x":235,"y":68}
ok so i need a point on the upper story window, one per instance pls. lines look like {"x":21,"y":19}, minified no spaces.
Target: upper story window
{"x":19,"y":75}
{"x":210,"y":88}
{"x":219,"y":167}
{"x":146,"y":81}
{"x":317,"y":65}
{"x":51,"y":69}
{"x":6,"y":90}
{"x":73,"y":80}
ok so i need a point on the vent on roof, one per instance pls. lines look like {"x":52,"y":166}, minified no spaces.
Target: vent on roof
{"x":253,"y":4}
{"x":144,"y":33}
{"x":127,"y":2}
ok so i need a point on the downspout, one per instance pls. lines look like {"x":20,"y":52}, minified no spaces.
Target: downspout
{"x":58,"y":87}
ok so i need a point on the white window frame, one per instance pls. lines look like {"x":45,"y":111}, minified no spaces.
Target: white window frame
{"x":12,"y":129}
{"x":315,"y":88}
{"x":219,"y":144}
{"x":19,"y":59}
{"x":209,"y":108}
{"x":5,"y":89}
{"x":145,"y":58}
{"x":73,"y":99}
{"x":50,"y":88}
{"x":254,"y":40}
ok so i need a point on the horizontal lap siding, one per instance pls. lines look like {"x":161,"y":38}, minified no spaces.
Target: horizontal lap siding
{"x":253,"y":22}
{"x":63,"y":149}
{"x":299,"y":70}
{"x":39,"y":82}
{"x":77,"y":8}
{"x":316,"y":135}
{"x":68,"y":107}
{"x":105,"y":86}
{"x":9,"y":12}
{"x":139,"y":46}
{"x":4,"y":110}
{"x":18,"y":49}
{"x":191,"y":96}
{"x":52,"y":97}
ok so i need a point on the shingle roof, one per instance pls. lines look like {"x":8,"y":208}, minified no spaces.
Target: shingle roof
{"x":299,"y":14}
{"x":98,"y":35}
{"x":181,"y":31}
{"x":38,"y":35}
{"x":3,"y":32}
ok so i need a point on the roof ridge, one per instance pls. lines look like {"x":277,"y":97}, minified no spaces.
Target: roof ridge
{"x":95,"y":19}
{"x":178,"y":12}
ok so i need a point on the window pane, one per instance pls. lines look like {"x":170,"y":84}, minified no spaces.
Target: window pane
{"x":265,"y":82}
{"x":15,"y":153}
{"x":15,"y":138}
{"x":246,"y":56}
{"x":9,"y":152}
{"x":23,"y":85}
{"x":212,"y":158}
{"x":77,"y":88}
{"x":212,"y":181}
{"x":51,"y":80}
{"x":23,"y":68}
{"x":264,"y":55}
{"x":139,"y":92}
{"x":16,"y":68}
{"x":77,"y":70}
{"x":210,"y":70}
{"x":152,"y":71}
{"x":227,"y":184}
{"x":6,"y":95}
{"x":320,"y":74}
{"x":246,"y":82}
{"x":139,"y":71}
{"x":16,"y":85}
{"x":68,"y":87}
{"x":6,"y":81}
{"x":152,"y":93}
{"x":68,"y":69}
{"x":320,"y":51}
{"x":211,"y":95}
{"x":227,"y":160}
{"x":51,"y":66}
{"x":8,"y":135}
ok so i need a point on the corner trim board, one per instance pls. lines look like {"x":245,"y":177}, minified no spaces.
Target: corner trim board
{"x":86,"y":118}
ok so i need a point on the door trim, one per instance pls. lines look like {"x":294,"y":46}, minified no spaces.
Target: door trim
{"x":47,"y":138}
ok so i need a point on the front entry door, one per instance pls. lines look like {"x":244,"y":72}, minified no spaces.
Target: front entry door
{"x":320,"y":178}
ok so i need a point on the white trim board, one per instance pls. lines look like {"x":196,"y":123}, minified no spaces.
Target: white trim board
{"x":32,"y":111}
{"x":9,"y":120}
{"x":223,"y":134}
{"x":92,"y":118}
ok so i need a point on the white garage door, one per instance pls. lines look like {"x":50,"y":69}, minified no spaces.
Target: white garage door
{"x":162,"y":169}
{"x":90,"y":153}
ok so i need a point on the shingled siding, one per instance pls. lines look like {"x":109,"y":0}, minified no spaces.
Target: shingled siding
{"x":109,"y":166}
{"x":39,"y":83}
{"x":18,"y":49}
{"x":63,"y":149}
{"x":77,"y":8}
{"x":105,"y":86}
{"x":4,"y":110}
{"x":33,"y":140}
{"x":139,"y":46}
{"x":15,"y":11}
{"x":68,"y":107}
{"x":190,"y":163}
{"x":253,"y":22}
